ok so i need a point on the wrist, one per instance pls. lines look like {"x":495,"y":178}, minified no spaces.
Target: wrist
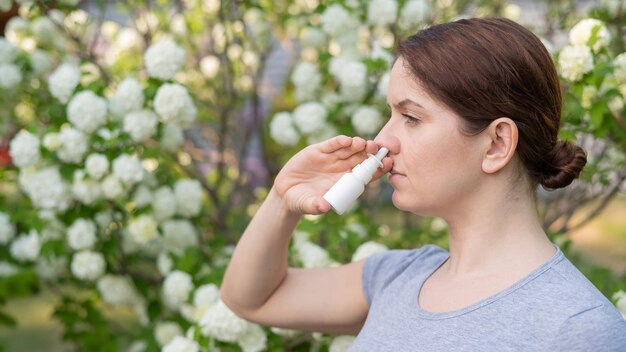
{"x":280,"y":207}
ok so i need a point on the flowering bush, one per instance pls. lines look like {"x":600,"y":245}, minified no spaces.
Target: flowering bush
{"x":140,"y":152}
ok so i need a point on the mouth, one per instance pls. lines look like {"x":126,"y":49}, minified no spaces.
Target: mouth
{"x":396,"y":172}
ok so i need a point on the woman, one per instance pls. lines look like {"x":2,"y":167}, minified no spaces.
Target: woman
{"x":475,"y":111}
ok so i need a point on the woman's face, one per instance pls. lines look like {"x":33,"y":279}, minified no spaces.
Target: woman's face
{"x":435,"y":167}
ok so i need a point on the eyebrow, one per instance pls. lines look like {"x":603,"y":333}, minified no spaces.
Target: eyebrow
{"x":405,"y":102}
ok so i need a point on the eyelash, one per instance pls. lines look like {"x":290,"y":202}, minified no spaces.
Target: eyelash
{"x":411,"y":119}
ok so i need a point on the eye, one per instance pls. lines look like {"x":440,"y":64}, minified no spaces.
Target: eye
{"x":410,"y":119}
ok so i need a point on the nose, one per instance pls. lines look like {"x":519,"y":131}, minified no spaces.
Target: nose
{"x":386,"y":138}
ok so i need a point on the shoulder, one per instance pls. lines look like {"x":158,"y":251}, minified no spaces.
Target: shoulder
{"x":380,"y":269}
{"x":568,"y":291}
{"x":600,"y":328}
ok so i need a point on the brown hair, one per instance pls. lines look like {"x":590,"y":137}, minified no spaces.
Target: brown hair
{"x":484,"y":69}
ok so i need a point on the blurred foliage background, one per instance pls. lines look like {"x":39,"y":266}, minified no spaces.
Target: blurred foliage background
{"x":137,"y":138}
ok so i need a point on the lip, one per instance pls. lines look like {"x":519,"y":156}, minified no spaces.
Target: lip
{"x":396,"y":172}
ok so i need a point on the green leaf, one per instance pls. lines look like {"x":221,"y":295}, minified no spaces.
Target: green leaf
{"x":596,"y":115}
{"x":7,"y":320}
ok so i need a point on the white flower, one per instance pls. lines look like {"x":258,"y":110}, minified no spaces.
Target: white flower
{"x":178,"y":235}
{"x":313,"y":38}
{"x":414,"y":13}
{"x":220,"y":322}
{"x":382,"y":12}
{"x":181,"y":344}
{"x":7,"y":269}
{"x":383,"y":85}
{"x":40,"y":61}
{"x":143,"y":229}
{"x":10,"y":76}
{"x":165,"y":331}
{"x":619,"y":68}
{"x":188,"y":195}
{"x":164,"y":263}
{"x":63,"y":81}
{"x":313,"y":256}
{"x":142,"y":196}
{"x":140,"y":125}
{"x":310,"y":117}
{"x":337,"y":21}
{"x":307,"y":80}
{"x":306,"y":74}
{"x":205,"y":296}
{"x":51,"y":141}
{"x":285,"y":332}
{"x":117,"y":290}
{"x":282,"y":130}
{"x":87,"y":111}
{"x":74,"y":145}
{"x":44,"y":30}
{"x":24,"y":149}
{"x":97,"y":165}
{"x":379,"y":53}
{"x":46,"y":189}
{"x":111,"y":187}
{"x":575,"y":61}
{"x":209,"y":66}
{"x":26,"y":247}
{"x":164,"y":59}
{"x":366,"y":120}
{"x":581,"y":33}
{"x":86,"y":191}
{"x":173,"y":104}
{"x":54,"y":229}
{"x":164,"y":203}
{"x":172,"y":137}
{"x":7,"y":230}
{"x":368,"y":248}
{"x":8,"y":52}
{"x":253,"y":339}
{"x":327,"y":131}
{"x":127,"y":168}
{"x":176,"y":289}
{"x":88,"y":265}
{"x":82,"y":234}
{"x":128,"y":97}
{"x":50,"y":267}
{"x":352,"y":78}
{"x":16,"y":29}
{"x":341,"y":343}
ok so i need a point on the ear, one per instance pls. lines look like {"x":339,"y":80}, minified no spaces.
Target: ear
{"x":501,"y":142}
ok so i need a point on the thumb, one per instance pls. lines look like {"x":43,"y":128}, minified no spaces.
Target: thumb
{"x":322,"y":205}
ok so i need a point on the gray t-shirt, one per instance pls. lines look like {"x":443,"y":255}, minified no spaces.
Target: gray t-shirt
{"x":554,"y":308}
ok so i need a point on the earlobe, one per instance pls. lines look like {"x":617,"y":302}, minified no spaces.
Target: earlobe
{"x":502,"y":140}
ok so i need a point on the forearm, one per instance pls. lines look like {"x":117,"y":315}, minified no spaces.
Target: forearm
{"x":259,"y":262}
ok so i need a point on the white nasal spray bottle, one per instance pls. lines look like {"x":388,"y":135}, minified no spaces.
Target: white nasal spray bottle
{"x":350,"y":186}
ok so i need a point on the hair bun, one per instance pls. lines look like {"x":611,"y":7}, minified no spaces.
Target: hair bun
{"x":567,"y":161}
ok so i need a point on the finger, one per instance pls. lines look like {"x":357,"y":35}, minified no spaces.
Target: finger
{"x":335,"y":143}
{"x":371,"y":147}
{"x":322,"y":205}
{"x":387,"y":165}
{"x":353,"y":160}
{"x":357,"y":146}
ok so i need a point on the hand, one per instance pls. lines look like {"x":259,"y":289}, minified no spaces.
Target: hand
{"x":314,"y":170}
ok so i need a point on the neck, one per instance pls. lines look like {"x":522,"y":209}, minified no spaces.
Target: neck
{"x":504,"y":239}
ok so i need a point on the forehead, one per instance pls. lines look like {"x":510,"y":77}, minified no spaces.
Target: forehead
{"x":402,"y":81}
{"x":404,"y":85}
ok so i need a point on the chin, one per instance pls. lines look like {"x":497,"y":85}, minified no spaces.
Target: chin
{"x":409,"y":204}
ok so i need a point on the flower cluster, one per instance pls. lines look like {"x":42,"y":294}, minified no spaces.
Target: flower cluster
{"x":587,"y":37}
